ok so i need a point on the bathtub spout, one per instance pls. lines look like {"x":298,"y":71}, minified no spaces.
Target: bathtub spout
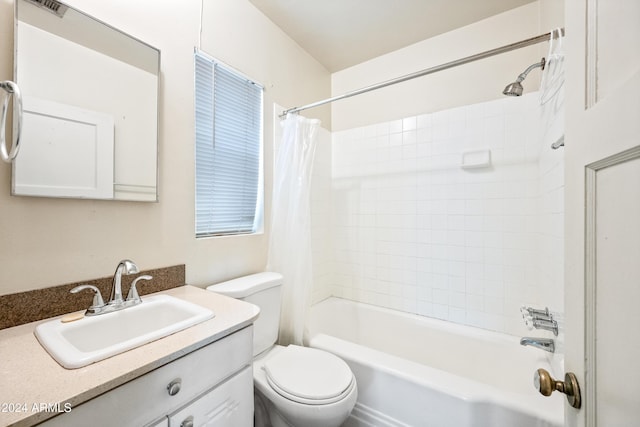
{"x":545,"y":344}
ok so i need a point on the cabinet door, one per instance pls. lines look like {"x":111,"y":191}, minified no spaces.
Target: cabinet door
{"x":230,"y":404}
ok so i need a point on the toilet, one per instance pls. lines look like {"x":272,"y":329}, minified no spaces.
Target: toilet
{"x":298,"y":386}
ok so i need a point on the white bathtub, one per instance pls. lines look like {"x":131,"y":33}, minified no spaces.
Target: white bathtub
{"x":416,"y":371}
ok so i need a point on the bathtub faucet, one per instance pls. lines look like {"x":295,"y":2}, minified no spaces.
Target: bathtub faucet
{"x":545,"y":344}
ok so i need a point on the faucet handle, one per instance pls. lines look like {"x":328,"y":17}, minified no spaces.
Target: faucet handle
{"x":528,"y":321}
{"x":97,"y":303}
{"x":533,"y":312}
{"x":133,"y":291}
{"x":547,"y":325}
{"x":536,"y":322}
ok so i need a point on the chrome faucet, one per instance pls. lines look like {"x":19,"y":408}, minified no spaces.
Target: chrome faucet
{"x":124,"y":267}
{"x":531,"y":312}
{"x":116,"y":302}
{"x":546,"y":324}
{"x":539,"y":319}
{"x":546,"y":344}
{"x":97,"y":306}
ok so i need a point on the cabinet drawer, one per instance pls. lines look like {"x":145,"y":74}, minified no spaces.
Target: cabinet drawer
{"x":230,"y":404}
{"x":147,"y":397}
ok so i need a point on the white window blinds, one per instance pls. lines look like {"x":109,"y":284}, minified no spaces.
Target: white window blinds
{"x":228,"y":149}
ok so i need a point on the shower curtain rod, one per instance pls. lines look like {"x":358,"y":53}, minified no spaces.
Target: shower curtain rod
{"x":524,"y":43}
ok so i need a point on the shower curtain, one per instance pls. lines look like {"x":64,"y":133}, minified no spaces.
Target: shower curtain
{"x":290,"y":241}
{"x":552,"y":91}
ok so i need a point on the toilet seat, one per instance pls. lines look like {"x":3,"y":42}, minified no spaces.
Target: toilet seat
{"x":309,"y":376}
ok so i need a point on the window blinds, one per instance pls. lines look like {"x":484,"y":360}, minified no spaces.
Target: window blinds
{"x":228,"y":110}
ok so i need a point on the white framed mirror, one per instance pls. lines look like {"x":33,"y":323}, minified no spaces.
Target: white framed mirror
{"x":90,"y":101}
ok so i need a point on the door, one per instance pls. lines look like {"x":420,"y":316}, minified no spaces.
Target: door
{"x":602,"y":205}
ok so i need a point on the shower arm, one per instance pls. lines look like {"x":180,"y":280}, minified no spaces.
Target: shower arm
{"x":531,"y":67}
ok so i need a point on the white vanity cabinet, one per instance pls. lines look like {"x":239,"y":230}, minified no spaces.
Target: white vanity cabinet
{"x":223,"y":406}
{"x":211,"y":386}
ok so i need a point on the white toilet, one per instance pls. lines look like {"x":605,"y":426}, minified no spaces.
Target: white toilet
{"x":299,"y":386}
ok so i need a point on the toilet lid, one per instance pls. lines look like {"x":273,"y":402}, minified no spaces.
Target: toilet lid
{"x":308,"y":375}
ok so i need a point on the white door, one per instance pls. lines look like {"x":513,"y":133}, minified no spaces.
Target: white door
{"x":602,"y":196}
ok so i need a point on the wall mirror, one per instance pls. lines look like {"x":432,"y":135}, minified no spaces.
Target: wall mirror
{"x":90,"y":101}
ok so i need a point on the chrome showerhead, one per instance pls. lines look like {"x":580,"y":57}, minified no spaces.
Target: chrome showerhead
{"x":515,"y":88}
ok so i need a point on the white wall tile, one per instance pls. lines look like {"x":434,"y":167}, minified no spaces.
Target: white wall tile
{"x":395,"y":126}
{"x":410,"y":230}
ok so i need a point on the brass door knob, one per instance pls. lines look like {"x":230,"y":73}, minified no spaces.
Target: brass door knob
{"x":546,"y":385}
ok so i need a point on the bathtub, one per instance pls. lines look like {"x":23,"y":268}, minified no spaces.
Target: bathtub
{"x":417,"y":371}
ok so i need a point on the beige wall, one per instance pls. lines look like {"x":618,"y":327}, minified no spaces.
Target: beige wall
{"x":468,"y":84}
{"x":551,"y":14}
{"x":45,"y":242}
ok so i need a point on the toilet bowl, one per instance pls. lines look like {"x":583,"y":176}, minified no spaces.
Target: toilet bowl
{"x":298,"y":386}
{"x":304,"y":387}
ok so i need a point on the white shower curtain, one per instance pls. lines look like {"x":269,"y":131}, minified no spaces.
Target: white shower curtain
{"x":552,"y":91}
{"x":290,"y":242}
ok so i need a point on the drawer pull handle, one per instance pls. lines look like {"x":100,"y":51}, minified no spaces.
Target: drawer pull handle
{"x":174,"y":386}
{"x":188,"y":422}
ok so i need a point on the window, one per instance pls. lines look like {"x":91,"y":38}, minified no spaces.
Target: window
{"x":228,"y":111}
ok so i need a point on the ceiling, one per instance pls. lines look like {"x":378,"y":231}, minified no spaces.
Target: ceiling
{"x":342,"y":33}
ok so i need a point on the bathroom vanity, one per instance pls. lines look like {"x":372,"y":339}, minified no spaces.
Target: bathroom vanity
{"x":203,"y":372}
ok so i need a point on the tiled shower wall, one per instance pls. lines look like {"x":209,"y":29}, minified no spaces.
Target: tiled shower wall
{"x":411,"y":230}
{"x":321,"y":242}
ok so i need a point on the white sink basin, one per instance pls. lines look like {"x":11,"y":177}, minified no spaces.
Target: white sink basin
{"x":93,"y":338}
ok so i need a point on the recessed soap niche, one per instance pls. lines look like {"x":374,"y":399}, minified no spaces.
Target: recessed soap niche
{"x":476,"y":159}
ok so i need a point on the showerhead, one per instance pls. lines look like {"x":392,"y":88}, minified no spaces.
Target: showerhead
{"x":515,"y":88}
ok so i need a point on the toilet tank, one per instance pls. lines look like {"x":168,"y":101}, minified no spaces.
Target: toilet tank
{"x":263,"y":290}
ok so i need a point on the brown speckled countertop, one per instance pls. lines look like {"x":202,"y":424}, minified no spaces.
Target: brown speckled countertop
{"x":29,"y":375}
